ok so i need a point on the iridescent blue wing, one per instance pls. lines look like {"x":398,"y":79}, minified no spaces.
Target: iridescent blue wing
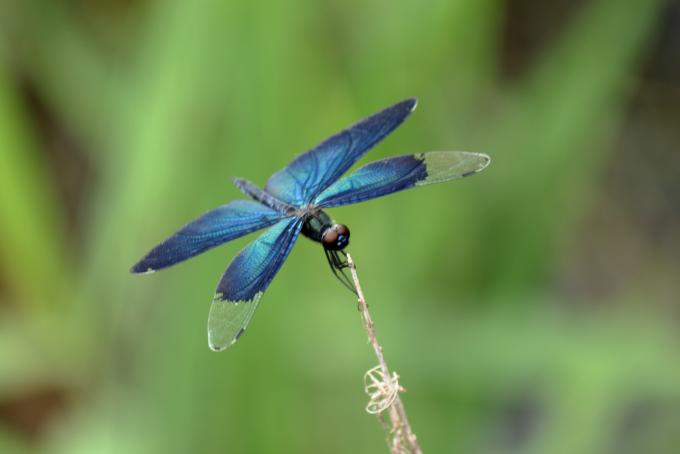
{"x":215,"y":227}
{"x":312,"y":172}
{"x":390,"y":175}
{"x":246,"y":279}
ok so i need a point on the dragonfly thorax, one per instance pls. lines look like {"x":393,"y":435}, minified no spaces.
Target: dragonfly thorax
{"x":320,"y":227}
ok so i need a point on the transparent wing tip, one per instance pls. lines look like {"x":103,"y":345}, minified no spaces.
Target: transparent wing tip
{"x":484,"y":161}
{"x":228,"y":320}
{"x":218,"y":347}
{"x":477,"y":162}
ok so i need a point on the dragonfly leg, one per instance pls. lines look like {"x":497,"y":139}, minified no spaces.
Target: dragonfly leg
{"x":343,"y":263}
{"x":339,"y":270}
{"x":337,"y":262}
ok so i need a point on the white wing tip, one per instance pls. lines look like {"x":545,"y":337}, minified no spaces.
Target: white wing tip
{"x":415,"y":103}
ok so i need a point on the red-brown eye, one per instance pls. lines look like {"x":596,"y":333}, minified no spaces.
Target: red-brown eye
{"x":335,"y":238}
{"x":342,"y":230}
{"x":330,"y":236}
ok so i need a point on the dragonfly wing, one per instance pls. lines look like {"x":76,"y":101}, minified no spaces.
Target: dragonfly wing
{"x":246,"y":279}
{"x":215,"y":227}
{"x":390,"y":175}
{"x":312,"y":172}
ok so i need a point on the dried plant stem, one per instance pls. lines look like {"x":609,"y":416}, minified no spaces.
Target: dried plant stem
{"x":400,"y":436}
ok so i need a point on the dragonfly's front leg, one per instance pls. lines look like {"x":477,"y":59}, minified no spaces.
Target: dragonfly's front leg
{"x":342,"y":263}
{"x":338,"y":266}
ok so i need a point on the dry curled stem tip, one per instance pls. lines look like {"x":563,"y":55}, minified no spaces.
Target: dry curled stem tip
{"x":383,"y":387}
{"x":381,"y":390}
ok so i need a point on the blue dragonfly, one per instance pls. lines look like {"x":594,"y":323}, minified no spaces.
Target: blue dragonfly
{"x":293,"y":202}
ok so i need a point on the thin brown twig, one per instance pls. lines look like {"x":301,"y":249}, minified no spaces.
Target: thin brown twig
{"x":400,"y":436}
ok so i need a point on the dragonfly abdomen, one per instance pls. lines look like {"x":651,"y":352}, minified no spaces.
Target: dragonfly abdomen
{"x":262,"y":196}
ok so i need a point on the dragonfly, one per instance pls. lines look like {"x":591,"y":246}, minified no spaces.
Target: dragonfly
{"x":293,"y":202}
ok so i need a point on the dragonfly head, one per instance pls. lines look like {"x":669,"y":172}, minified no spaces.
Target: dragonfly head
{"x":336,"y":237}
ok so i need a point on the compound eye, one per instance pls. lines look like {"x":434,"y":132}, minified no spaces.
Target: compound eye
{"x":342,"y":230}
{"x":343,"y":236}
{"x":330,"y":237}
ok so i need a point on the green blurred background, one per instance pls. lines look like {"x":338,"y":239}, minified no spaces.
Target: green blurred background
{"x":530,"y":309}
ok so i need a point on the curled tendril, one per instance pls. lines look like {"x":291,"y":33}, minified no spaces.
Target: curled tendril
{"x":381,"y":390}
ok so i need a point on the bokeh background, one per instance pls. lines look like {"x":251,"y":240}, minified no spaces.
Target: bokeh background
{"x":533,"y":308}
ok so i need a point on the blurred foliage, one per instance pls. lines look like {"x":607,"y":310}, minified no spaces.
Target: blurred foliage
{"x":121,"y":120}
